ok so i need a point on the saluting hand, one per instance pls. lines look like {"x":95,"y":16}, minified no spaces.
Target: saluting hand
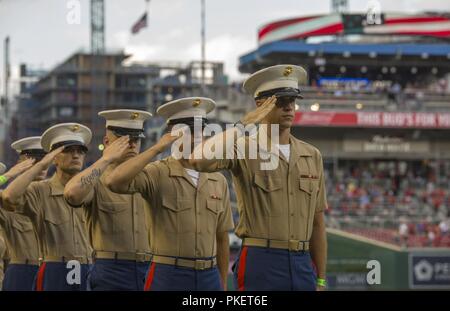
{"x":167,"y":139}
{"x":49,"y":157}
{"x":19,"y":168}
{"x":117,"y":149}
{"x":257,"y":115}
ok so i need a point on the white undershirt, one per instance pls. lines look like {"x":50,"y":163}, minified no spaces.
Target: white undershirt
{"x":194,"y":175}
{"x":285,"y":150}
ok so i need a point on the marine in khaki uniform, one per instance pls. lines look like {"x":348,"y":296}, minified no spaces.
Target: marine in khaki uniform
{"x":63,"y":238}
{"x":190,"y":211}
{"x":20,"y":234}
{"x":22,"y":242}
{"x":280,"y":191}
{"x":13,"y":172}
{"x":118,"y":223}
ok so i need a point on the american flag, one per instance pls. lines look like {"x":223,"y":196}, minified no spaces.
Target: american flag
{"x":141,"y":23}
{"x":422,"y":24}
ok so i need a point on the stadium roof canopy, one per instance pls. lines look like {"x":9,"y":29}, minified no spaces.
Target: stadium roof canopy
{"x":401,"y":41}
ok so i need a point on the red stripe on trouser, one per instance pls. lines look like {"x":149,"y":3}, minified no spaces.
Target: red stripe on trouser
{"x":40,"y":278}
{"x":241,"y":270}
{"x":149,"y":279}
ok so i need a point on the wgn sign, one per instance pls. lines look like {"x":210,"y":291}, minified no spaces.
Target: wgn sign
{"x":429,"y":271}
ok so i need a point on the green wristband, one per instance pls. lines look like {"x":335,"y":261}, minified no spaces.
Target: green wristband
{"x":3,"y":180}
{"x":321,"y":282}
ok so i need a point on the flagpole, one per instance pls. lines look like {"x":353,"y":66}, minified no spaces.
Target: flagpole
{"x":147,"y":4}
{"x":203,"y":43}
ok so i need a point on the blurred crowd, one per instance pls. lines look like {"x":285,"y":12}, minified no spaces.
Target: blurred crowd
{"x":417,"y":96}
{"x":411,"y":200}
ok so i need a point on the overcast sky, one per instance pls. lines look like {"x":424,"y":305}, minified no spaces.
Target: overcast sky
{"x":41,"y":36}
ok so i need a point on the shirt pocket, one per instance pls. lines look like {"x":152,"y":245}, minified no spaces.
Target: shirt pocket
{"x":178,"y":215}
{"x":269,"y":196}
{"x":214,"y":207}
{"x":112,"y":218}
{"x":22,"y":225}
{"x":57,"y":216}
{"x":58,"y":229}
{"x":113,"y":207}
{"x":305,"y":185}
{"x":308,"y":187}
{"x":268,"y":183}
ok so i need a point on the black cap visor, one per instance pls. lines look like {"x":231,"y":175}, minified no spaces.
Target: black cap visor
{"x":69,"y":143}
{"x":122,"y":131}
{"x":37,"y":154}
{"x":280,"y":92}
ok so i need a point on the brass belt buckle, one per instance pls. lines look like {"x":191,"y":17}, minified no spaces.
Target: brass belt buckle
{"x":294,"y":245}
{"x":201,"y":264}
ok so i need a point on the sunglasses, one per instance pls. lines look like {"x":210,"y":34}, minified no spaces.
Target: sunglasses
{"x":75,"y":149}
{"x":285,"y":100}
{"x":132,"y":139}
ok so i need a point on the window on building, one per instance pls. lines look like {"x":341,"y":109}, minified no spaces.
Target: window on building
{"x":66,"y":81}
{"x":66,"y":111}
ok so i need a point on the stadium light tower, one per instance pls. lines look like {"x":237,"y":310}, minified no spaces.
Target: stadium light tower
{"x":339,"y":6}
{"x":97,"y":26}
{"x":203,"y":42}
{"x":98,"y":74}
{"x":4,"y":104}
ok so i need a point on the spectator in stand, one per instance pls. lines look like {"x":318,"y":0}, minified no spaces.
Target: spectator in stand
{"x":431,"y":237}
{"x":444,"y":227}
{"x":403,"y":232}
